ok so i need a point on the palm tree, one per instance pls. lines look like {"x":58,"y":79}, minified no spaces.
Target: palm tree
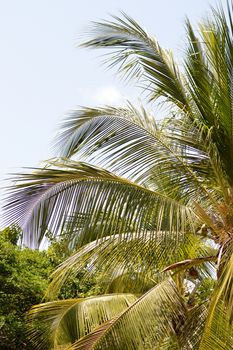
{"x":149,"y":205}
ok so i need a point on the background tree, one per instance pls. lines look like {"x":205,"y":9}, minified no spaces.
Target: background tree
{"x":24,"y":278}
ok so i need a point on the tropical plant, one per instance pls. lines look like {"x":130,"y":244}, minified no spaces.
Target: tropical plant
{"x":149,"y":204}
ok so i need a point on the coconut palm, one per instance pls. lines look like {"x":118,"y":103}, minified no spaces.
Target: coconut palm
{"x":147,"y":205}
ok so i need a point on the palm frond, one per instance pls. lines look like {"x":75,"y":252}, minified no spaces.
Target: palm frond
{"x":68,"y":320}
{"x":152,"y":318}
{"x":200,"y":77}
{"x":194,"y":139}
{"x":139,"y":55}
{"x":132,"y":258}
{"x":218,"y":326}
{"x":121,"y":143}
{"x":48,"y":198}
{"x":124,"y":136}
{"x":218,"y":332}
{"x":209,"y":71}
{"x":67,"y":141}
{"x":191,"y":331}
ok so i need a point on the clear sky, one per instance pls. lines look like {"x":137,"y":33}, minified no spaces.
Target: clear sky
{"x":43,"y":75}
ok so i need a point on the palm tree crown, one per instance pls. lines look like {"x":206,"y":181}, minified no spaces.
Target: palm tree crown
{"x":149,"y":204}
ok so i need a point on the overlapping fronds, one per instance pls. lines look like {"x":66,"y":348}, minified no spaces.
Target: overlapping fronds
{"x":68,"y":320}
{"x":120,"y":140}
{"x":47,"y":198}
{"x":191,"y":330}
{"x":209,"y":72}
{"x":141,"y":200}
{"x":131,"y":258}
{"x":223,"y":292}
{"x":194,"y":141}
{"x":147,"y":322}
{"x":205,"y":92}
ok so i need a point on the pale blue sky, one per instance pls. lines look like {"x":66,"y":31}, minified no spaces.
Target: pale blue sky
{"x":43,"y":75}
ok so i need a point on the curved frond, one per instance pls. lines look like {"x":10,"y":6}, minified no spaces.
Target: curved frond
{"x":67,"y":141}
{"x":156,"y":159}
{"x":49,"y":198}
{"x":68,"y":320}
{"x":132,"y":258}
{"x":139,"y":55}
{"x":122,"y":140}
{"x":151,"y":319}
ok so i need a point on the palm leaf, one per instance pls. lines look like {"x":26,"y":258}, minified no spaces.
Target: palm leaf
{"x":218,"y":327}
{"x":119,"y":141}
{"x":120,"y":134}
{"x":191,"y":331}
{"x":68,"y":320}
{"x":152,"y":318}
{"x":140,"y":56}
{"x":218,"y":332}
{"x":132,"y":259}
{"x":209,"y":71}
{"x":46,"y":199}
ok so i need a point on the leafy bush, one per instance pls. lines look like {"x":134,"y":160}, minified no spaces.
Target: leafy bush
{"x":24,"y":277}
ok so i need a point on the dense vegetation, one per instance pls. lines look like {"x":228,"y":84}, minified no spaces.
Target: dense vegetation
{"x":24,"y":278}
{"x":146,"y":205}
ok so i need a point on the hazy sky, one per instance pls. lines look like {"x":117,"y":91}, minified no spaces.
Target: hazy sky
{"x":43,"y":75}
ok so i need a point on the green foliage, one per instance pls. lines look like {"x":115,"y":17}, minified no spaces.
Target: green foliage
{"x":147,"y":206}
{"x":76,"y":286}
{"x":11,"y":234}
{"x":23,"y":280}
